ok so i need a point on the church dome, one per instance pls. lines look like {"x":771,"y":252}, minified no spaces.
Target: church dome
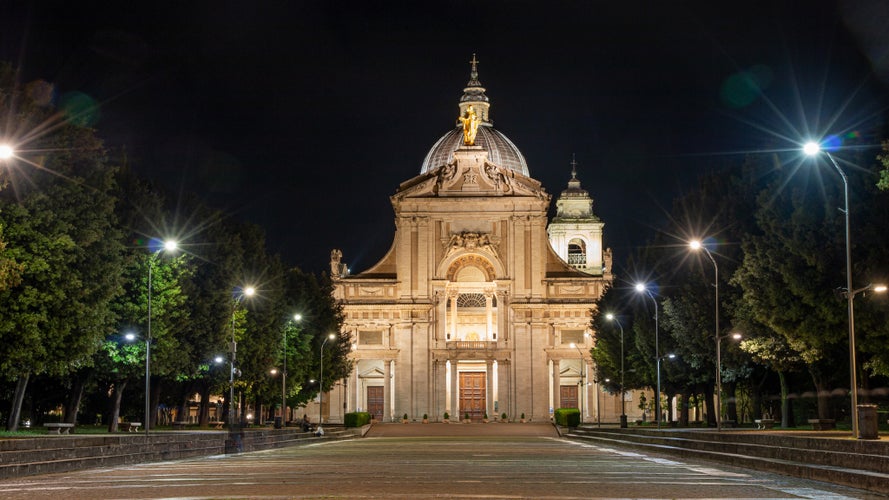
{"x":501,"y":151}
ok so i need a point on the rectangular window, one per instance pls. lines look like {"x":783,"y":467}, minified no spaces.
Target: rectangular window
{"x":370,"y":338}
{"x":572,"y":336}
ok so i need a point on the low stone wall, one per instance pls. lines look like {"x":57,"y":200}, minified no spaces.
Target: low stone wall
{"x":29,"y":456}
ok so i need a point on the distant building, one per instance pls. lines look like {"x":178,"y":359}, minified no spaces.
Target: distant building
{"x":479,"y":306}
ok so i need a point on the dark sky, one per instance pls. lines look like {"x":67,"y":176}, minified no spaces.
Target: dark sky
{"x":304,"y":117}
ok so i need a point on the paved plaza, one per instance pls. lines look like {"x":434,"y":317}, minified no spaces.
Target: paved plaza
{"x":427,"y":461}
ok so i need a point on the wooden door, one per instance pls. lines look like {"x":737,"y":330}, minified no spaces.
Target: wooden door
{"x":568,"y":396}
{"x":472,"y":395}
{"x":375,"y":402}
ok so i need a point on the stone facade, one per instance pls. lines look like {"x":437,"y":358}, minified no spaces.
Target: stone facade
{"x":472,"y":310}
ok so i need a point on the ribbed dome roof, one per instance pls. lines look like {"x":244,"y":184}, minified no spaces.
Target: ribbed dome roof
{"x":501,"y":151}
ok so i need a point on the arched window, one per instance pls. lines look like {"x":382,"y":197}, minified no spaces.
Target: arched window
{"x":577,"y":253}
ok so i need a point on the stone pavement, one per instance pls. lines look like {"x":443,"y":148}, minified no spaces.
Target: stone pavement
{"x":428,"y":461}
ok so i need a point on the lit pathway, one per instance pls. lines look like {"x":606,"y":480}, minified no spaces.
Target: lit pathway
{"x":427,"y":467}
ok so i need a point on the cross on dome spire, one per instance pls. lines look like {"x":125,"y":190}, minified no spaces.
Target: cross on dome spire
{"x":573,"y":167}
{"x":474,"y":95}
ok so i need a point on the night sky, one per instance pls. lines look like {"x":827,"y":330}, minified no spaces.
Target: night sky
{"x":304,"y":117}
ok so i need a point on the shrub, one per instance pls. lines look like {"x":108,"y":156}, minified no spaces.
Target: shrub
{"x":425,"y":417}
{"x":569,"y":417}
{"x":523,"y":416}
{"x":466,"y":416}
{"x":503,"y":416}
{"x":404,"y":417}
{"x":356,"y":419}
{"x":446,"y":416}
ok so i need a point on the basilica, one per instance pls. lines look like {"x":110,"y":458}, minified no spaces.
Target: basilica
{"x":482,"y":305}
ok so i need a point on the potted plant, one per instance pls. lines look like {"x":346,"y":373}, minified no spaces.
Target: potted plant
{"x":485,"y":418}
{"x":404,"y":419}
{"x":503,"y":417}
{"x":522,"y":419}
{"x":446,"y":418}
{"x":466,"y":419}
{"x":425,"y":418}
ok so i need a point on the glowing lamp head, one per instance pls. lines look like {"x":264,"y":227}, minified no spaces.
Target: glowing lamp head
{"x":273,"y":371}
{"x":609,"y":317}
{"x":171,"y":245}
{"x":130,"y":337}
{"x":331,"y":336}
{"x":6,"y":151}
{"x":297,"y":317}
{"x":811,"y":148}
{"x":640,"y":287}
{"x":671,"y":356}
{"x":880,"y":288}
{"x":737,"y":336}
{"x":249,"y":291}
{"x":218,"y":359}
{"x":695,"y":244}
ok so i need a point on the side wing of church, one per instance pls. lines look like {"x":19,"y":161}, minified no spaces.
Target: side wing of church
{"x":480,"y":307}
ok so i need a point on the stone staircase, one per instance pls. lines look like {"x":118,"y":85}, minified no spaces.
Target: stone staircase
{"x":53,"y":453}
{"x":828,"y":456}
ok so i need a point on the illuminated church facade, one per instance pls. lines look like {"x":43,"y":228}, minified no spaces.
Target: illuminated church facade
{"x":481,"y":305}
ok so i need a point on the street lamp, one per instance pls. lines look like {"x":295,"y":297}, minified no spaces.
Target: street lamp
{"x":6,"y":152}
{"x":812,"y":149}
{"x":168,"y":246}
{"x":582,"y":386}
{"x":734,"y":336}
{"x":321,"y":381}
{"x":658,"y":400}
{"x":245,"y":292}
{"x":296,"y":319}
{"x":623,"y":413}
{"x":697,"y":245}
{"x":642,"y":288}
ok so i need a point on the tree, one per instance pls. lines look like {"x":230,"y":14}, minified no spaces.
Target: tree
{"x":58,"y":219}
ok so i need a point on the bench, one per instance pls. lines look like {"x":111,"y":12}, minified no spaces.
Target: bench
{"x":764,"y":423}
{"x":823,"y":424}
{"x":216,"y":425}
{"x":129,"y":426}
{"x":180,"y":425}
{"x":58,"y":428}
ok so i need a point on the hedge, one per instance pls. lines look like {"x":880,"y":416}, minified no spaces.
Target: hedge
{"x":356,"y":419}
{"x":568,"y":417}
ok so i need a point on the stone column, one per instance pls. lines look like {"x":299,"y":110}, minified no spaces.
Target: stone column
{"x":452,"y":326}
{"x":387,"y":380}
{"x":557,"y":384}
{"x":489,"y":386}
{"x":455,"y":393}
{"x":489,"y":314}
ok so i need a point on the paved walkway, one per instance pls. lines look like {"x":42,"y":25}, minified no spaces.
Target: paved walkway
{"x":465,"y":430}
{"x":427,"y":461}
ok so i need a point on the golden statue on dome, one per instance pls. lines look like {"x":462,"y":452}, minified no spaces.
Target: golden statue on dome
{"x":470,"y":126}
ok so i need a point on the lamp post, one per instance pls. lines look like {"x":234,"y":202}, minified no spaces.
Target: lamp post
{"x":642,"y":288}
{"x":582,"y":386}
{"x":321,"y":381}
{"x":812,"y":149}
{"x":697,"y":245}
{"x":169,"y":246}
{"x":245,"y":292}
{"x":658,"y":400}
{"x":623,"y":413}
{"x":296,"y":319}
